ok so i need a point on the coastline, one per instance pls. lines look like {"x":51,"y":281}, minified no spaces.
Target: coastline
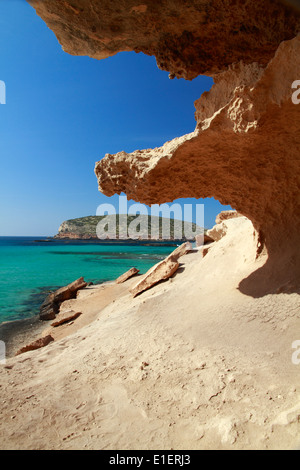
{"x":117,"y":241}
{"x":16,"y":333}
{"x":180,"y":338}
{"x":175,"y":367}
{"x":23,"y":293}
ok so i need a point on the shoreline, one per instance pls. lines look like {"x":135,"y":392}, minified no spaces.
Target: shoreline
{"x":15,"y":333}
{"x":117,"y":241}
{"x":174,"y":367}
{"x":19,"y":332}
{"x":29,"y":289}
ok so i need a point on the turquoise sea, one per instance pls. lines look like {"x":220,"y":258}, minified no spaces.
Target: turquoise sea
{"x":30,"y":267}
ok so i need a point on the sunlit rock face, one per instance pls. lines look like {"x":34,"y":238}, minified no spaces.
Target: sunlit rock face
{"x":243,"y":152}
{"x":245,"y":149}
{"x":187,"y":38}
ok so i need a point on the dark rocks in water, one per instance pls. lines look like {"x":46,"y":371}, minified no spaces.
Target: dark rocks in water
{"x":50,"y":306}
{"x":49,"y":309}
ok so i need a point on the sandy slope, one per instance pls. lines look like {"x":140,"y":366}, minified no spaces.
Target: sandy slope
{"x":192,"y":363}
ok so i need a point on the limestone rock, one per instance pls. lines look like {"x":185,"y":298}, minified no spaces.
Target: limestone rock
{"x":244,"y":153}
{"x":204,"y":251}
{"x":181,"y":250}
{"x":187,"y":38}
{"x":39,"y":343}
{"x":65,"y":317}
{"x":50,"y":306}
{"x":218,"y":231}
{"x":162,"y":270}
{"x":225,"y":215}
{"x":131,"y":272}
{"x":203,"y":239}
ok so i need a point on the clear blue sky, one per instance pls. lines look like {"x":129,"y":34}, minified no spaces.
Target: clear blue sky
{"x":64,"y":113}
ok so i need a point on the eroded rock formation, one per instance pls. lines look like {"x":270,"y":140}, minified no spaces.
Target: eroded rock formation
{"x":162,"y":270}
{"x":226,"y":215}
{"x":187,"y":38}
{"x":65,"y":317}
{"x":127,"y":275}
{"x":244,"y":152}
{"x":245,"y":148}
{"x":50,"y":307}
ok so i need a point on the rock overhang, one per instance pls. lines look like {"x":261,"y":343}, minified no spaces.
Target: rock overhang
{"x":188,"y":38}
{"x":245,"y":148}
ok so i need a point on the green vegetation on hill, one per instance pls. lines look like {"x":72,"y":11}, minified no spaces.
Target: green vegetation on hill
{"x":85,"y":227}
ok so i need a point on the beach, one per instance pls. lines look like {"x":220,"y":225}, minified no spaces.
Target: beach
{"x":149,"y":248}
{"x":32,"y":267}
{"x":192,"y":363}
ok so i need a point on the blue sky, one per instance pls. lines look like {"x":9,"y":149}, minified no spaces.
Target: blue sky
{"x":64,"y":113}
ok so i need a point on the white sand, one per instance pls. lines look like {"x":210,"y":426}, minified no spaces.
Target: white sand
{"x":190,"y":364}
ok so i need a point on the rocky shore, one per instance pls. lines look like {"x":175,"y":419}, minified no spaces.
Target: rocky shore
{"x":199,"y":353}
{"x":177,"y":366}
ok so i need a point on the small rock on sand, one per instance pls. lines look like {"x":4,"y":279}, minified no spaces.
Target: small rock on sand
{"x":131,"y":272}
{"x":39,"y":343}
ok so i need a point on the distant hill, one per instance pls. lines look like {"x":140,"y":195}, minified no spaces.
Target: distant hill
{"x":137,"y":227}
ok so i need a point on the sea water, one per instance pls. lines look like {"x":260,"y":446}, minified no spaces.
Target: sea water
{"x":31,"y":267}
